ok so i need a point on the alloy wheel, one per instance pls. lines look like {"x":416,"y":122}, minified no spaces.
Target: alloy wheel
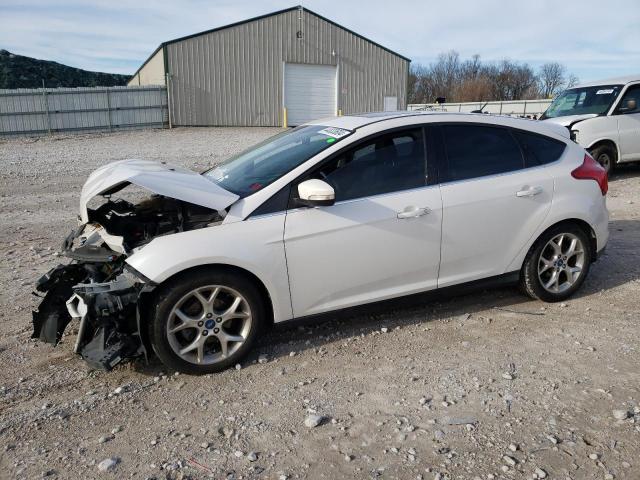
{"x":561,"y":262}
{"x":209,"y":324}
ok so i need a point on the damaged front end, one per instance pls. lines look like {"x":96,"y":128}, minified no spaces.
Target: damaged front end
{"x":109,"y":327}
{"x":98,"y":289}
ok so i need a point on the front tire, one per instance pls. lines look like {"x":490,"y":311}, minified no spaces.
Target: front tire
{"x":206,"y":321}
{"x":606,"y":156}
{"x":557,"y":264}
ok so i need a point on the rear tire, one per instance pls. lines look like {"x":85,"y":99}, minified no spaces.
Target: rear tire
{"x":206,"y":321}
{"x":557,"y":264}
{"x":606,"y":156}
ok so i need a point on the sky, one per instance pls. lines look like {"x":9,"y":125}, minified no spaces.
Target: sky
{"x":593,"y":39}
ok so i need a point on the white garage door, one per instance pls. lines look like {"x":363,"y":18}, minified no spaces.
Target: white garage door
{"x":309,"y":92}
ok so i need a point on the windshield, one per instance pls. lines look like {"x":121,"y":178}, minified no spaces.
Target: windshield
{"x":581,"y":101}
{"x":257,"y":167}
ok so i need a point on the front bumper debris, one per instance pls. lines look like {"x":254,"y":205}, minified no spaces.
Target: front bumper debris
{"x":51,"y":317}
{"x":96,"y":291}
{"x":107,"y":313}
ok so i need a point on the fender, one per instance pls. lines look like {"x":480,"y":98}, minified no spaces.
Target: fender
{"x":234,"y":244}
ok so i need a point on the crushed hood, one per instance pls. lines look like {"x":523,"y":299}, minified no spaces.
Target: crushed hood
{"x":170,"y":181}
{"x":570,"y":119}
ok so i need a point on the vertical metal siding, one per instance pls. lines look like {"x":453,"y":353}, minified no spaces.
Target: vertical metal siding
{"x":38,"y":111}
{"x":234,"y":76}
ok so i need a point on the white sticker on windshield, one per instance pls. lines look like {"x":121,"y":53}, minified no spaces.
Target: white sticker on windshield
{"x":334,"y":132}
{"x":605,"y":91}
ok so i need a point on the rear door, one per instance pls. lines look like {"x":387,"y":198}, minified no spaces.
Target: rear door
{"x":493,"y":201}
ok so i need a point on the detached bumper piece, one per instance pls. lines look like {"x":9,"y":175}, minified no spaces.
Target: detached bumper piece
{"x":51,"y":317}
{"x":108,"y":327}
{"x":107,"y":311}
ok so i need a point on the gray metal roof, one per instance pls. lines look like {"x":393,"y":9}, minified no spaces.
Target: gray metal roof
{"x":297,"y":7}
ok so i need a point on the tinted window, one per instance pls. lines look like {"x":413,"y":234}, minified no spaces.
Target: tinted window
{"x":476,"y":151}
{"x":538,"y":149}
{"x":387,"y":163}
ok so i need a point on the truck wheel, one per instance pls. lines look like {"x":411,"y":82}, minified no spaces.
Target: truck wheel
{"x":606,"y":156}
{"x":207,"y":321}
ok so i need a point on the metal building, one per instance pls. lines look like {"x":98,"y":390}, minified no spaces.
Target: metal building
{"x":290,"y":65}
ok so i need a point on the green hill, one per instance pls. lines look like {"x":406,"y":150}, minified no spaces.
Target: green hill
{"x":17,"y":71}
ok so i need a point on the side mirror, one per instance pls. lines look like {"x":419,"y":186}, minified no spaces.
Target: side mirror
{"x":315,"y":193}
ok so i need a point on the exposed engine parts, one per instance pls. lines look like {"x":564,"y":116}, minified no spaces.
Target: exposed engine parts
{"x":96,"y":289}
{"x":157,"y":215}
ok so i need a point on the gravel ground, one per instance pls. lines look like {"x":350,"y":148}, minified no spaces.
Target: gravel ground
{"x":490,"y":385}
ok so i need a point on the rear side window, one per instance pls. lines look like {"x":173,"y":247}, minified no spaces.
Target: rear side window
{"x":477,"y":151}
{"x":538,"y":149}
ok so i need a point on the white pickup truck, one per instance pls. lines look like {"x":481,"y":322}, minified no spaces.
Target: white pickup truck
{"x":603,"y":117}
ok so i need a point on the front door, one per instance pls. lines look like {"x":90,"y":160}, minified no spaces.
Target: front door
{"x":628,"y":116}
{"x":380,"y":240}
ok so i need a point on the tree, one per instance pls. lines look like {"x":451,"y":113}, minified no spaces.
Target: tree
{"x":551,"y":79}
{"x":445,"y":74}
{"x":473,"y":80}
{"x":573,"y":81}
{"x":512,"y":81}
{"x":412,"y":86}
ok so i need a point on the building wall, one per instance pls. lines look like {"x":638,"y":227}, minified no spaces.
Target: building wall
{"x":234,"y":76}
{"x":152,"y":73}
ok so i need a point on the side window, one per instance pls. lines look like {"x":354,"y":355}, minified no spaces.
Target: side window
{"x":630,"y":103}
{"x":387,"y":163}
{"x":477,"y":151}
{"x":538,"y":149}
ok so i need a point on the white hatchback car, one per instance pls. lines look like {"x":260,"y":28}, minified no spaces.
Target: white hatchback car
{"x":334,"y":214}
{"x":603,"y":117}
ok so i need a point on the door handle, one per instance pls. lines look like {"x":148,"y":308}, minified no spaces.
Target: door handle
{"x":413,"y":212}
{"x":529,"y":192}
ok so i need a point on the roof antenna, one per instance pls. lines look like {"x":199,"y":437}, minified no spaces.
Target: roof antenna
{"x":480,"y":110}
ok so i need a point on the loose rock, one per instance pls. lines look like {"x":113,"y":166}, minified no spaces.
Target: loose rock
{"x":620,"y":414}
{"x":540,"y":473}
{"x":313,"y":421}
{"x":108,"y":464}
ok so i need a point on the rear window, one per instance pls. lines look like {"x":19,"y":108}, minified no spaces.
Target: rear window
{"x":477,"y":151}
{"x":538,"y":149}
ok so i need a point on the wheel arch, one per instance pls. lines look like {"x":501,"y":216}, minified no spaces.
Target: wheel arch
{"x":605,"y":141}
{"x":582,"y":224}
{"x":223,"y":267}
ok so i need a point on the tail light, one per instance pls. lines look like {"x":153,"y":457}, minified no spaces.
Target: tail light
{"x":592,"y":170}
